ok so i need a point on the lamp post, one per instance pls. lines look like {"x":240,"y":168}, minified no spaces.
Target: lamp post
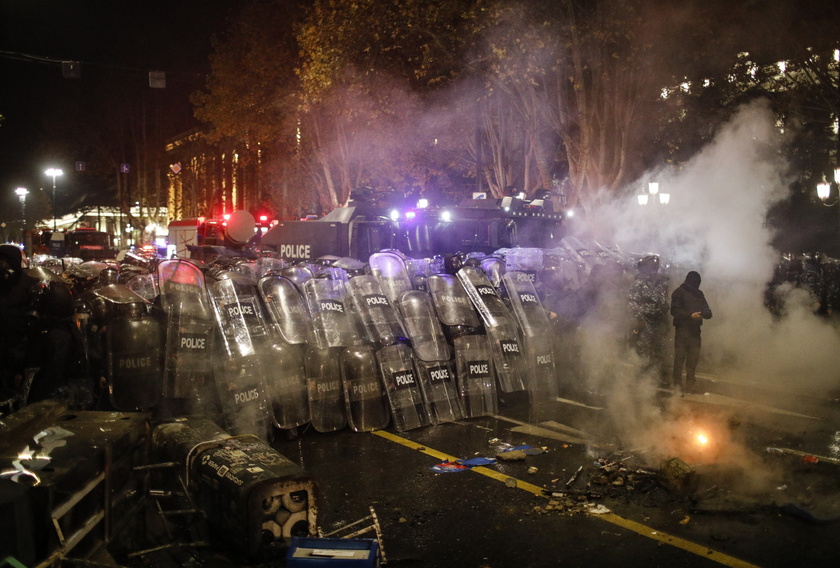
{"x":54,"y":173}
{"x":653,"y":195}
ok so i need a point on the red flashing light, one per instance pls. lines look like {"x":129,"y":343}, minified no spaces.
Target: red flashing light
{"x":263,"y":218}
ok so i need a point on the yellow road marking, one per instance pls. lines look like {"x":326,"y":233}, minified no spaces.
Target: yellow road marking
{"x":633,"y":526}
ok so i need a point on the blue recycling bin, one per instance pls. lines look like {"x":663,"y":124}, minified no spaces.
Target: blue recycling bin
{"x":332,"y":553}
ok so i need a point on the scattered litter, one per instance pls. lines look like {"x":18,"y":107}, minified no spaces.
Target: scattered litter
{"x":461,"y":465}
{"x":597,"y":509}
{"x":782,"y":487}
{"x":448,"y":467}
{"x":532,"y":470}
{"x":574,"y":477}
{"x":511,"y":455}
{"x":474,"y":462}
{"x":528,"y":450}
{"x":686,"y":520}
{"x":510,"y":482}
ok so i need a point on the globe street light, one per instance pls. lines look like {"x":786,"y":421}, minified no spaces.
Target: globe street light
{"x":54,"y":173}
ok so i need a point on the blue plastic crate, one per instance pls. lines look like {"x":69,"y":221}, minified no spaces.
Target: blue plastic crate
{"x":332,"y":553}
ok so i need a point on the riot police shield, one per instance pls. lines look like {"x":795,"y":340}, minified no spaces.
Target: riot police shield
{"x":298,"y":274}
{"x":330,"y":321}
{"x":453,"y":305}
{"x":494,"y":267}
{"x":474,"y":368}
{"x":286,"y":309}
{"x":434,"y":356}
{"x":364,"y":396}
{"x":536,"y":333}
{"x":239,"y":376}
{"x":500,"y":326}
{"x":408,"y":409}
{"x":132,"y":347}
{"x":377,"y":316}
{"x":189,"y":332}
{"x":527,"y":261}
{"x":389,"y":268}
{"x":325,"y":393}
{"x":290,"y":330}
{"x":581,"y":252}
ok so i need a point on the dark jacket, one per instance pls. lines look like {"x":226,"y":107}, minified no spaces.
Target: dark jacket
{"x":688,"y":299}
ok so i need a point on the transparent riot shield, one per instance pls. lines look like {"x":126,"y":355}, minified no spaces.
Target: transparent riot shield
{"x":326,"y":397}
{"x":330,"y":321}
{"x":408,"y":409}
{"x":364,"y":395}
{"x":536,"y":333}
{"x":145,"y":285}
{"x":434,"y":356}
{"x":494,"y":267}
{"x":580,"y":252}
{"x":189,"y":332}
{"x":453,"y":305}
{"x":298,"y":274}
{"x":289,"y":332}
{"x":501,"y":329}
{"x":132,"y":348}
{"x":376,"y":314}
{"x":476,"y":383}
{"x":286,"y":309}
{"x":266,"y":265}
{"x":390,"y":269}
{"x":527,"y":261}
{"x":241,"y":369}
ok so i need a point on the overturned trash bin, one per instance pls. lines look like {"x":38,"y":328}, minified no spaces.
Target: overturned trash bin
{"x":255,"y":499}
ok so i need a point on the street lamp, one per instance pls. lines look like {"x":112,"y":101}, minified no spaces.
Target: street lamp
{"x":824,"y":190}
{"x":21,"y":192}
{"x":54,"y":173}
{"x":653,"y":195}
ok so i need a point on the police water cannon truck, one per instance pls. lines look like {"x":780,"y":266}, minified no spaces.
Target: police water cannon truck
{"x":476,"y":225}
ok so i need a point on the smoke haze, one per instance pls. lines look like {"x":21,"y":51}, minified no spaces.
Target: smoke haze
{"x":715,"y":224}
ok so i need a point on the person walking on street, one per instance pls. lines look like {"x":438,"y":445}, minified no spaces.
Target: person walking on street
{"x":689,"y":308}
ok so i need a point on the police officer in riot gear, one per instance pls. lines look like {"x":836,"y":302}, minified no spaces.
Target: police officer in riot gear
{"x":689,"y":308}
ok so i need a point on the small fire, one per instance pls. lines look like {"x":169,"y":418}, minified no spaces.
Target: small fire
{"x":702,"y":439}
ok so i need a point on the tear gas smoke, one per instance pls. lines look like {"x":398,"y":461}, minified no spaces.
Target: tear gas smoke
{"x":715,"y":224}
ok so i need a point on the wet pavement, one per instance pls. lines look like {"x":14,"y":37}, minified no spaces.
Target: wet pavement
{"x":744,"y":506}
{"x":763,"y":490}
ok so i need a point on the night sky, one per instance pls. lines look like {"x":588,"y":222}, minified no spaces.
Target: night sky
{"x":117,"y":42}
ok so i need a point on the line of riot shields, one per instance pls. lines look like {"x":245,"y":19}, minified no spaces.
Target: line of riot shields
{"x":263,"y":345}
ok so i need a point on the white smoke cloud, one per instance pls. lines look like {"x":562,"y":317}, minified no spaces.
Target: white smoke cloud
{"x":715,"y":224}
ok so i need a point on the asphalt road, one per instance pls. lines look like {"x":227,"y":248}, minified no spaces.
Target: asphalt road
{"x":742,"y":506}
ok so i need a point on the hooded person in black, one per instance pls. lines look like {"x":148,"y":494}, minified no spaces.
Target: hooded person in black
{"x":689,"y":308}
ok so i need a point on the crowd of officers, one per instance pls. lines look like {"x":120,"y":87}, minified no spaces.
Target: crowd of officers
{"x":626,"y":309}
